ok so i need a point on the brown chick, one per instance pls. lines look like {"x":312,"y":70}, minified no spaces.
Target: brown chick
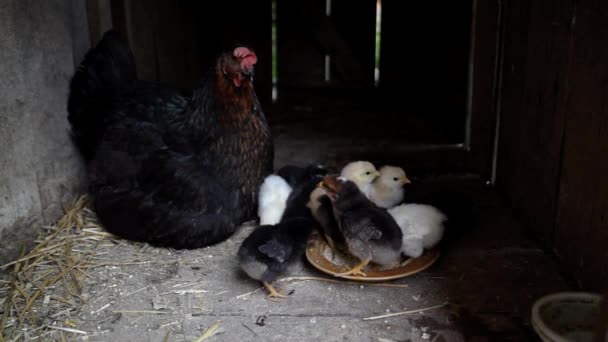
{"x":321,"y":209}
{"x":371,"y":234}
{"x":387,"y":190}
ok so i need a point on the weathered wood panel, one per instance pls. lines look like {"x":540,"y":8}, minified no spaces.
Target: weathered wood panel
{"x":482,"y":116}
{"x":355,"y":24}
{"x":306,"y":35}
{"x":142,"y":24}
{"x":532,"y":125}
{"x":582,"y":221}
{"x":99,"y":15}
{"x":301,"y":60}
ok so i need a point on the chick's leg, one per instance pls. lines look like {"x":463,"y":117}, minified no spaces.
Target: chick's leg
{"x":355,"y":270}
{"x":272,"y":292}
{"x":330,"y":241}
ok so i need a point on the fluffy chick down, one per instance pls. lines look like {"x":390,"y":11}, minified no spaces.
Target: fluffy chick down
{"x":272,"y":199}
{"x":422,"y":227}
{"x":362,"y":173}
{"x":387,"y":190}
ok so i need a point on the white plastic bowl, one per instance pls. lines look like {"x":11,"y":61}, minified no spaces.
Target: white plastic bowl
{"x":566,"y":316}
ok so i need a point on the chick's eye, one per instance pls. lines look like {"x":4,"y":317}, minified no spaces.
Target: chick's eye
{"x":368,"y":173}
{"x":395,"y":179}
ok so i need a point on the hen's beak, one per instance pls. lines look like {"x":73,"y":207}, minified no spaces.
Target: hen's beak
{"x":248,"y":73}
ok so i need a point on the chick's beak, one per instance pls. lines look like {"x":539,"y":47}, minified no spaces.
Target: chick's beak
{"x":406,"y":180}
{"x":376,"y":174}
{"x":329,"y":185}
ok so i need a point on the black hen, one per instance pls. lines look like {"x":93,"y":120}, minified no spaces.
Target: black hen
{"x":171,"y":170}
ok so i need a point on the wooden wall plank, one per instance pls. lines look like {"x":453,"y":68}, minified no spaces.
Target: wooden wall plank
{"x":301,"y":58}
{"x":532,"y":125}
{"x":483,"y":78}
{"x":99,"y":15}
{"x":355,"y":23}
{"x":142,"y":22}
{"x":582,"y":221}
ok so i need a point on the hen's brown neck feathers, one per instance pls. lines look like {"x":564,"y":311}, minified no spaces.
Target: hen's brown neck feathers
{"x":233,"y":100}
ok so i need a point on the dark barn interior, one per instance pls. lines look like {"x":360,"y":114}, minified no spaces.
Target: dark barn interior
{"x":503,"y":101}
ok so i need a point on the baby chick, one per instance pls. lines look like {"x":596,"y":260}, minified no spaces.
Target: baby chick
{"x":303,"y":181}
{"x":322,"y":211}
{"x":387,"y":189}
{"x":371,"y":234}
{"x":422,"y":227}
{"x":272,"y":199}
{"x":362,"y":173}
{"x":267,"y":252}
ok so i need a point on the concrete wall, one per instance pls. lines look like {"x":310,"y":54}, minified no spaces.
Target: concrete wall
{"x":39,"y":168}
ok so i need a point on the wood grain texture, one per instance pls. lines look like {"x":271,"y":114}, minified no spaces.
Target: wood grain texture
{"x":534,"y":92}
{"x":482,"y":118}
{"x":582,"y":221}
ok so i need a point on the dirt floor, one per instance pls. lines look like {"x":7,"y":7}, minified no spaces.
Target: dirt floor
{"x":480,"y":289}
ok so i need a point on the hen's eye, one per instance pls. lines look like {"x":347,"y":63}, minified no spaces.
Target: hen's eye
{"x":395,"y":179}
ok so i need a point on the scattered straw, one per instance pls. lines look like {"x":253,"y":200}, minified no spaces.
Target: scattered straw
{"x":75,"y":331}
{"x":46,"y":285}
{"x":208,"y":333}
{"x":150,"y":312}
{"x":405,"y":312}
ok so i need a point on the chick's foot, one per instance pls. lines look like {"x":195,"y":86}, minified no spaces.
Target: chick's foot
{"x":355,"y":270}
{"x":272,"y":292}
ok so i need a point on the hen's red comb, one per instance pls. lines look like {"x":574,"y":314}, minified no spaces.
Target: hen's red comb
{"x":248,"y":58}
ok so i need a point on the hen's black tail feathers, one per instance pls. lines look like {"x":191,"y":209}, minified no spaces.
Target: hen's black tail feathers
{"x":107,"y":72}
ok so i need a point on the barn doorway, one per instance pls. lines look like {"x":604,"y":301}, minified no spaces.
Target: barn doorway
{"x":377,"y":79}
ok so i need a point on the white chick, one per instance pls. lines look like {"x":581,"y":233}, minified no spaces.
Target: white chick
{"x":272,"y":199}
{"x":422,"y":227}
{"x":361,"y":173}
{"x":387,"y":189}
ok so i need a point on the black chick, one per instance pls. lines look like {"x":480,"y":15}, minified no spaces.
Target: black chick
{"x":267,"y":252}
{"x":303,"y":180}
{"x":371,"y":234}
{"x":295,"y":175}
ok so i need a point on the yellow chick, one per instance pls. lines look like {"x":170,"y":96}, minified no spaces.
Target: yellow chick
{"x":387,"y":189}
{"x":362,"y":173}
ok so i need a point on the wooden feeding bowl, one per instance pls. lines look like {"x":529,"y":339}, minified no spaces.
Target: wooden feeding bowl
{"x":329,"y":261}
